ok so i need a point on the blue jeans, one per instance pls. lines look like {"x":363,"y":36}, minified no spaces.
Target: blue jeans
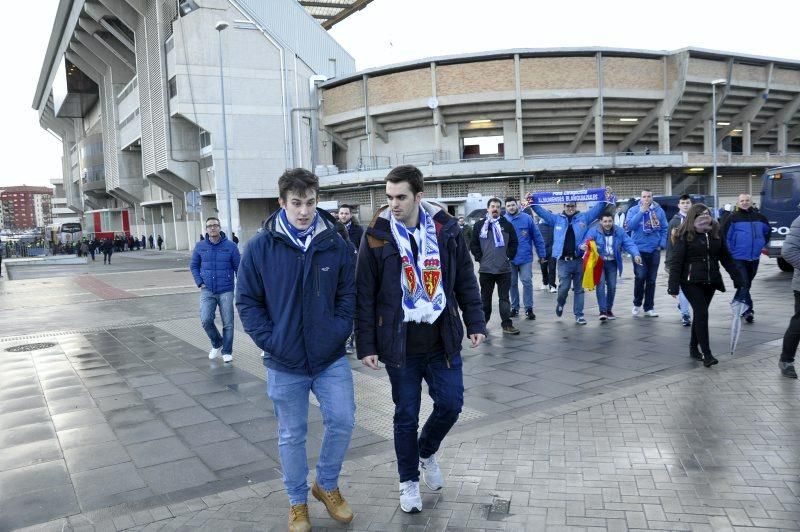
{"x":525,"y":272}
{"x":644,"y":286}
{"x":607,"y":288}
{"x":571,"y":272}
{"x":683,"y":303}
{"x":333,"y":388}
{"x":446,"y":388}
{"x":208,"y":310}
{"x":747,"y":272}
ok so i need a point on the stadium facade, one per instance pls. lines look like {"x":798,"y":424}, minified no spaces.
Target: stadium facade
{"x":132,"y":87}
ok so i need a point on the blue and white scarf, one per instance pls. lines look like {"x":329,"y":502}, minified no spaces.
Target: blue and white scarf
{"x":496,"y":231}
{"x":301,"y":238}
{"x":421,"y":280}
{"x":650,"y":221}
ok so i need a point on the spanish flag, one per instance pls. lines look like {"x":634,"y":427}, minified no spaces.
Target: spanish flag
{"x":592,"y":266}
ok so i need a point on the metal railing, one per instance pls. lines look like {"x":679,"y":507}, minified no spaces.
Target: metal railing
{"x":425,"y":157}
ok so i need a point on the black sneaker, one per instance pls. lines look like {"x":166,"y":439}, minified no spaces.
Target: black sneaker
{"x":787,"y":370}
{"x":559,"y":310}
{"x":695,"y":353}
{"x":749,"y":316}
{"x":514,"y":312}
{"x":529,"y":315}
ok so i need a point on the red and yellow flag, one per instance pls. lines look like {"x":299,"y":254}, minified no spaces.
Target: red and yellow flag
{"x":592,"y":266}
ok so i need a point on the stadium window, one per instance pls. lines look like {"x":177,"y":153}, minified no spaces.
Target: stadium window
{"x":205,"y":139}
{"x":172,"y":87}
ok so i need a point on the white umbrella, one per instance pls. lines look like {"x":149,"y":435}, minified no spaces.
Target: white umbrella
{"x":737,"y":309}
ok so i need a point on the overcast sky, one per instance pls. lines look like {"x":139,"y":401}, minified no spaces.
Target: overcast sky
{"x":391,"y":31}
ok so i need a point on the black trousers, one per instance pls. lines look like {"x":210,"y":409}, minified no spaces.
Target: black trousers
{"x":549,"y":271}
{"x":699,"y":296}
{"x":792,"y":336}
{"x":503,"y":282}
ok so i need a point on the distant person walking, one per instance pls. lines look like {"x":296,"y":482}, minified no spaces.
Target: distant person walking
{"x":354,"y":231}
{"x":215,"y":262}
{"x":791,"y":254}
{"x":160,"y":242}
{"x":151,"y":241}
{"x":144,"y":242}
{"x":648,"y":226}
{"x":107,"y":247}
{"x":234,"y":238}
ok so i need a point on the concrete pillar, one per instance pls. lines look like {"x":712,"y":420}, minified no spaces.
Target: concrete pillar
{"x":747,"y":144}
{"x":518,"y":111}
{"x":663,"y":135}
{"x":510,"y":137}
{"x":707,"y":125}
{"x":599,"y":148}
{"x":782,"y":141}
{"x":667,"y":184}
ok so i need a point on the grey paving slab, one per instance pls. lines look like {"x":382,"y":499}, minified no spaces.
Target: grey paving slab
{"x":155,"y":452}
{"x":94,"y":456}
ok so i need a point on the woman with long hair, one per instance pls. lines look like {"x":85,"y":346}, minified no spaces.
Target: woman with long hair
{"x":697,"y":251}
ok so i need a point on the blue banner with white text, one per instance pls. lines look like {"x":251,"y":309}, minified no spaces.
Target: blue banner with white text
{"x":590,"y":195}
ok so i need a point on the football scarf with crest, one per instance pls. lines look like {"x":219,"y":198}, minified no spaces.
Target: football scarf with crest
{"x":421,"y":280}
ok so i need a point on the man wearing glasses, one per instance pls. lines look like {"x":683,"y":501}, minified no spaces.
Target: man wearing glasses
{"x":215,"y":262}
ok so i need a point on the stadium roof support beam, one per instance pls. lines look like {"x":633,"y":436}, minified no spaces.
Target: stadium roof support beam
{"x":781,"y":117}
{"x":750,"y":110}
{"x":782,"y":144}
{"x":583,"y":130}
{"x":117,"y":65}
{"x":357,"y":5}
{"x":378,"y":129}
{"x":640,"y":129}
{"x":128,"y":12}
{"x":706,"y":112}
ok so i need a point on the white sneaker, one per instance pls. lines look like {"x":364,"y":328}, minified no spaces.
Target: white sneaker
{"x":636,"y":311}
{"x":214,"y":353}
{"x":431,"y":473}
{"x":543,"y":287}
{"x":553,"y":289}
{"x":410,"y":500}
{"x":227,"y":358}
{"x":651,"y":313}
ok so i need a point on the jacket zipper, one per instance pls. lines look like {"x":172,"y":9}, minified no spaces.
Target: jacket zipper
{"x":708,"y":259}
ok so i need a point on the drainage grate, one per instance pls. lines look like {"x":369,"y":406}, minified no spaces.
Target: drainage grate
{"x":30,"y":347}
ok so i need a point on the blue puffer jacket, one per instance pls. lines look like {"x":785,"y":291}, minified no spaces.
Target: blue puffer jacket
{"x":746,"y":233}
{"x":621,"y":241}
{"x":580,"y":224}
{"x":298,"y":307}
{"x":215,"y":265}
{"x":647,"y":242}
{"x":380,"y":329}
{"x":528,"y":235}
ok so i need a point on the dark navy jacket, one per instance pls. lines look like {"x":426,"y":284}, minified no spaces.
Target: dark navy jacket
{"x":297,"y":307}
{"x":380,"y":329}
{"x":215,"y":265}
{"x":746,"y":233}
{"x":355,"y":232}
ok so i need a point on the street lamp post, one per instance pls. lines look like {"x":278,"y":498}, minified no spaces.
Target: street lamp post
{"x":220,"y":26}
{"x":714,"y":84}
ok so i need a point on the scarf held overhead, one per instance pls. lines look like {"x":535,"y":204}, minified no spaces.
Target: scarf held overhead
{"x":421,"y":279}
{"x":592,"y":266}
{"x":496,"y":231}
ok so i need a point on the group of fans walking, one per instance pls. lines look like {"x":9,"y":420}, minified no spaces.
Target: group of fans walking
{"x":410,"y":270}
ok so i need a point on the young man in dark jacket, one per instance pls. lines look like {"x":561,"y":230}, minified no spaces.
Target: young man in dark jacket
{"x":494,"y":244}
{"x":296,"y":300}
{"x":215,"y":261}
{"x":746,"y":232}
{"x":354,"y":231}
{"x":414,"y":272}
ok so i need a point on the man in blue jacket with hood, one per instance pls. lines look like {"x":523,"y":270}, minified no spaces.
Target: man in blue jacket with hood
{"x":648,"y":226}
{"x":569,"y":229}
{"x":215,"y":261}
{"x":746,"y":232}
{"x":296,"y":300}
{"x":528,"y":236}
{"x":414,"y":273}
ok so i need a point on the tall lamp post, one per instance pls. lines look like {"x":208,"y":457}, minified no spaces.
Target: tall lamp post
{"x":714,"y":83}
{"x":220,"y":26}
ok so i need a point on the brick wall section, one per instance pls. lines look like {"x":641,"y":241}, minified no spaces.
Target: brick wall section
{"x":749,"y":73}
{"x":782,"y":76}
{"x":633,"y":73}
{"x":343,"y":98}
{"x":707,"y":68}
{"x":400,"y":87}
{"x":468,"y":78}
{"x":541,"y":73}
{"x":672,"y":70}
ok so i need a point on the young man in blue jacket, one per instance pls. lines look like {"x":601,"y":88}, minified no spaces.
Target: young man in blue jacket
{"x":648,"y":226}
{"x":414,"y":273}
{"x":746,"y":232}
{"x":610,"y":240}
{"x":528,"y":236}
{"x":296,"y":300}
{"x":569,"y":229}
{"x":215,"y":261}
